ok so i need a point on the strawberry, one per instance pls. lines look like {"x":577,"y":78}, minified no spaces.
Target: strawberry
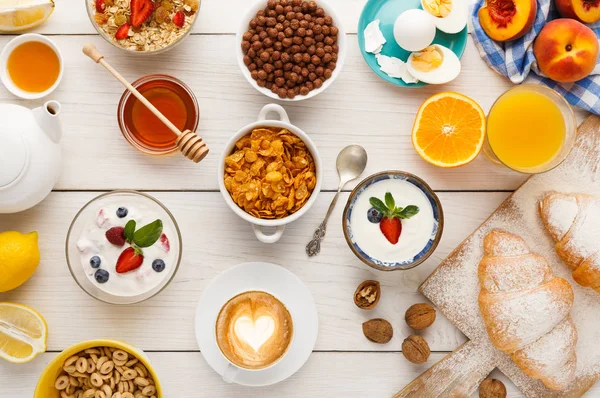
{"x":129,"y":260}
{"x":141,"y":11}
{"x":391,"y":229}
{"x":179,"y":19}
{"x":164,"y":243}
{"x":116,"y":236}
{"x":391,"y":216}
{"x":100,"y":6}
{"x":122,"y":32}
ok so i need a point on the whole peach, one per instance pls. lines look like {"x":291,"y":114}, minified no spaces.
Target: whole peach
{"x":566,"y":50}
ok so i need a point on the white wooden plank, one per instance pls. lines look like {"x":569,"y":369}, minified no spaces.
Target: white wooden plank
{"x":358,"y":108}
{"x":186,"y":374}
{"x":215,"y":239}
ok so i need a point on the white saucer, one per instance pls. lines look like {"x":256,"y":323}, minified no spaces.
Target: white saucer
{"x":282,"y":284}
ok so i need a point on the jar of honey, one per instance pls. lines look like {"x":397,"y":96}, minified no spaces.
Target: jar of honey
{"x":145,"y":131}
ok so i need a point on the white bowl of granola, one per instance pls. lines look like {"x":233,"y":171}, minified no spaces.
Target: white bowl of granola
{"x":138,"y":26}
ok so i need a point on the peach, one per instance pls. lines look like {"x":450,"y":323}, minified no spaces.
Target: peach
{"x":586,"y":11}
{"x":566,"y":50}
{"x":505,"y":20}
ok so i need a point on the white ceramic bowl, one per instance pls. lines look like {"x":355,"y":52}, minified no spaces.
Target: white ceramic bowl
{"x":8,"y":49}
{"x":261,"y":4}
{"x":278,"y":225}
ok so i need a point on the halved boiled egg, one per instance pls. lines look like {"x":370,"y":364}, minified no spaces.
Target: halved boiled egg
{"x":450,"y":15}
{"x":434,"y":65}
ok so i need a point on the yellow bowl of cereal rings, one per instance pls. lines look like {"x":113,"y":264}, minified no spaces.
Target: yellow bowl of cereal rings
{"x":99,"y":369}
{"x":270,"y":174}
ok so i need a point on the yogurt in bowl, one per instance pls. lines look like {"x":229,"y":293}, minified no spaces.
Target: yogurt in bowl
{"x":123,"y":247}
{"x":393,"y":220}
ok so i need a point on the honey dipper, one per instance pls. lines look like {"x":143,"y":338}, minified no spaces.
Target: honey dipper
{"x":188,"y":142}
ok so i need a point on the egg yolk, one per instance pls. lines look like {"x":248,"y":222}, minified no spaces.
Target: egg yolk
{"x":428,"y":59}
{"x":438,"y":8}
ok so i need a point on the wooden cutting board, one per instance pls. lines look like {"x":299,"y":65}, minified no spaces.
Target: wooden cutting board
{"x":453,"y":287}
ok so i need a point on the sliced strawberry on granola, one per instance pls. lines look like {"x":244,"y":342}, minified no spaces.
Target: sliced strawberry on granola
{"x":100,"y":6}
{"x":141,"y":10}
{"x":179,"y":19}
{"x":122,"y":32}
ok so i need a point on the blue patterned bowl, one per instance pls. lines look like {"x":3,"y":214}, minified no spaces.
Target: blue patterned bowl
{"x":436,"y":233}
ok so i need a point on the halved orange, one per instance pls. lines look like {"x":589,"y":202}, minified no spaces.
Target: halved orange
{"x":449,"y":130}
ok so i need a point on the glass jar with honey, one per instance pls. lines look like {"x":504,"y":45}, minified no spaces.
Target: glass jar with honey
{"x":172,"y":98}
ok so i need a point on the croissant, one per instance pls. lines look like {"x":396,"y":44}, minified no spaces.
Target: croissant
{"x":574,"y":223}
{"x":526,"y":310}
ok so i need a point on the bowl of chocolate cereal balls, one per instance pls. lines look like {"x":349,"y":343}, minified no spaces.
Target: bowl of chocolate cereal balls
{"x":291,"y":50}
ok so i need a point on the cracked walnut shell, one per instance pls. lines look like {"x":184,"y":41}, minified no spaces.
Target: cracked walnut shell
{"x":416,"y":349}
{"x":378,"y":330}
{"x":367,"y":295}
{"x":420,"y":316}
{"x":492,"y":388}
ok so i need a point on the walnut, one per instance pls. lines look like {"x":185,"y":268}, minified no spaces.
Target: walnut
{"x":420,"y":316}
{"x":367,"y":295}
{"x":378,"y":330}
{"x":492,"y":388}
{"x":415,"y":349}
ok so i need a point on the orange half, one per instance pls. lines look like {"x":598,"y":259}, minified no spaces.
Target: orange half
{"x":449,"y":130}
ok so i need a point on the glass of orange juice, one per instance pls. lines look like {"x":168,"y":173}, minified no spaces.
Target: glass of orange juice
{"x":531,"y":129}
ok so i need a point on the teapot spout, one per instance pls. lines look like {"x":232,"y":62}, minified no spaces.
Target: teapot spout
{"x":47,"y":118}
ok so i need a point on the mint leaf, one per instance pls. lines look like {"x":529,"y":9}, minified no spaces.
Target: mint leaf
{"x":148,"y":234}
{"x":409,"y":211}
{"x":379,"y":205}
{"x":129,"y":230}
{"x":389,"y":201}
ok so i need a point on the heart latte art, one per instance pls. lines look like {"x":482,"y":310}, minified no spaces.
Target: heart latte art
{"x":254,"y":330}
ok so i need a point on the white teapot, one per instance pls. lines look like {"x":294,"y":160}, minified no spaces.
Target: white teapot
{"x":30,"y":155}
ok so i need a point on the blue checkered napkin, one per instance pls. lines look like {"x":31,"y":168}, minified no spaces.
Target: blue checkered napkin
{"x":515,"y":59}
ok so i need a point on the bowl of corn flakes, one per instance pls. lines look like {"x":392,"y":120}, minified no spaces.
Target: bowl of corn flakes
{"x":270,"y":174}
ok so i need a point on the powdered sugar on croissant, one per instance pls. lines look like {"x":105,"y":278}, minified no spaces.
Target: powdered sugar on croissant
{"x":526,"y":309}
{"x":573,"y":221}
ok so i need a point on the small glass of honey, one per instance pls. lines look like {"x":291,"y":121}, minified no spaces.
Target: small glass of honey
{"x":31,"y":66}
{"x":172,"y":98}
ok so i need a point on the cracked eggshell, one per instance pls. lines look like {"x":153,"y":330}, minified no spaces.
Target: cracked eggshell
{"x":414,"y":30}
{"x":374,"y":39}
{"x":445,"y":73}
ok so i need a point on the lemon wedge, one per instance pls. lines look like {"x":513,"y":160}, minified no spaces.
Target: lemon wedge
{"x":18,"y":15}
{"x":23,"y":333}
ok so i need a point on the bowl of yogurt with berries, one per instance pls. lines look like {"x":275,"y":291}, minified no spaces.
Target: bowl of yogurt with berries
{"x":393,"y":220}
{"x":123,"y":247}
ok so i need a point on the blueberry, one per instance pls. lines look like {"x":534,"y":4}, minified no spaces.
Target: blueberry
{"x":95,"y":262}
{"x":374,"y":215}
{"x":122,"y":212}
{"x":158,"y":265}
{"x":101,"y":276}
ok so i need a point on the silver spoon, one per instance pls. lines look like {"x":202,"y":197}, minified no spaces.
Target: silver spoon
{"x":351,"y":162}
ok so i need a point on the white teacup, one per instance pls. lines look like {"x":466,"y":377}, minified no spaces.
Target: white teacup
{"x":258,"y":224}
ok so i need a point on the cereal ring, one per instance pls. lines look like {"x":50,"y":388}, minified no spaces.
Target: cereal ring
{"x":131,"y":362}
{"x":89,"y":393}
{"x":101,"y":361}
{"x":107,"y":367}
{"x":127,"y":395}
{"x":129,"y":374}
{"x":96,"y":380}
{"x":62,"y":382}
{"x":99,"y":394}
{"x":81,"y":365}
{"x":70,"y":369}
{"x":149,"y":391}
{"x":92,"y":351}
{"x":65,"y":395}
{"x":71,"y":360}
{"x":141,"y":370}
{"x":91,"y":366}
{"x":107,"y":390}
{"x":73,"y":381}
{"x":70,"y":389}
{"x":140,"y":381}
{"x":117,"y":395}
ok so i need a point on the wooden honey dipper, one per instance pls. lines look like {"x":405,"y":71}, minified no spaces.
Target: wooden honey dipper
{"x":189,"y":143}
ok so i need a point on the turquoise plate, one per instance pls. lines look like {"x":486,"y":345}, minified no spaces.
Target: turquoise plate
{"x":387,"y":11}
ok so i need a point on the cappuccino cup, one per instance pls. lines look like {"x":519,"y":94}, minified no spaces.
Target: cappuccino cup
{"x":254,"y":331}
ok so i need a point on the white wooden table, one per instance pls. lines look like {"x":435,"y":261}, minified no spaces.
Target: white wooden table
{"x":358,"y":108}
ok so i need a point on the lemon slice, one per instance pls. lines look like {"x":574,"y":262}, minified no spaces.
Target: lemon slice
{"x":17,"y":15}
{"x":23,"y":333}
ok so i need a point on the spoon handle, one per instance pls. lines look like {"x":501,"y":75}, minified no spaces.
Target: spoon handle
{"x":314,"y":246}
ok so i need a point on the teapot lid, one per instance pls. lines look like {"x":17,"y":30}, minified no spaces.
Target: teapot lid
{"x":13,"y":157}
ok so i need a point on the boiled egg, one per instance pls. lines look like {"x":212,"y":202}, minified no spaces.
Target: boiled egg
{"x":414,"y":30}
{"x":450,"y":15}
{"x":434,"y":65}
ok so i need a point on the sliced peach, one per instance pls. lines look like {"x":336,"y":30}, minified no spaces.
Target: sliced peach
{"x":586,"y":11}
{"x":566,"y":50}
{"x":505,"y":20}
